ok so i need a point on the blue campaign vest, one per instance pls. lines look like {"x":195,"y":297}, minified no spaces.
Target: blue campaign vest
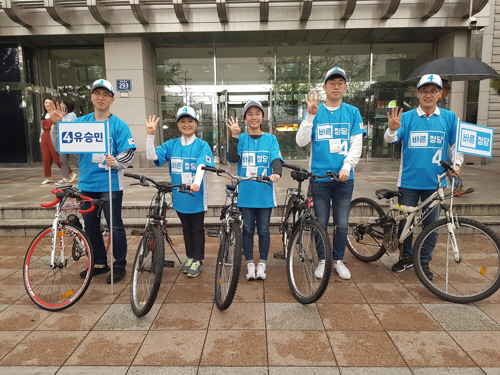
{"x":332,"y":129}
{"x":185,"y":159}
{"x":93,"y":175}
{"x":425,"y":144}
{"x":257,"y":153}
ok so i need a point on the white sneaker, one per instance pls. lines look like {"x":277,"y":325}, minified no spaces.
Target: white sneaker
{"x":341,"y":269}
{"x":61,"y":183}
{"x":261,"y":271}
{"x":47,"y":181}
{"x":320,"y":270}
{"x":72,"y":177}
{"x":250,"y":271}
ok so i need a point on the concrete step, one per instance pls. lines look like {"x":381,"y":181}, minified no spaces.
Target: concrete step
{"x":29,"y":228}
{"x":140,"y":211}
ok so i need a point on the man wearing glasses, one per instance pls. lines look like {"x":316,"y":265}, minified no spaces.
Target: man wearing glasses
{"x":428,"y":136}
{"x":94,"y":183}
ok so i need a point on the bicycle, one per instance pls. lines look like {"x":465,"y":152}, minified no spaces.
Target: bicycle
{"x":463,"y":254}
{"x":228,"y":265}
{"x":58,"y":254}
{"x":149,"y":260}
{"x":302,"y":237}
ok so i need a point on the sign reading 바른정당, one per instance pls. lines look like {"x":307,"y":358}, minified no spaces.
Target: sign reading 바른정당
{"x":475,"y":140}
{"x":82,"y":137}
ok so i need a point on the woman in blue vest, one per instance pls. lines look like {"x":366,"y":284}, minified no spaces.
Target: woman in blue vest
{"x":186,"y":155}
{"x":256,"y":153}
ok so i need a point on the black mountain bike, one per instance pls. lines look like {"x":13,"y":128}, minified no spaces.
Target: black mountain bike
{"x":302,"y":237}
{"x":228,"y":265}
{"x":150,"y":260}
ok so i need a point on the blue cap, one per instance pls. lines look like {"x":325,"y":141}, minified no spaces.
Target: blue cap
{"x":430,"y":79}
{"x":336,"y":72}
{"x":253,"y":103}
{"x":186,"y":111}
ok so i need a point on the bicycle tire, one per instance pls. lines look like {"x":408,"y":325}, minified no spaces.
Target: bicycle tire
{"x":302,"y":261}
{"x":477,"y":274}
{"x":147,"y":271}
{"x":42,"y":282}
{"x":228,"y":267}
{"x":365,"y":246}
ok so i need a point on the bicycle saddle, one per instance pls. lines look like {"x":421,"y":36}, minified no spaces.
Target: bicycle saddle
{"x":387,"y":194}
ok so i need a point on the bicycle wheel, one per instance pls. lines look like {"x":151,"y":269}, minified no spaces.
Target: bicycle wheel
{"x":228,"y":267}
{"x":475,"y":276}
{"x":147,"y":271}
{"x":57,"y":288}
{"x":303,"y":259}
{"x":365,"y":235}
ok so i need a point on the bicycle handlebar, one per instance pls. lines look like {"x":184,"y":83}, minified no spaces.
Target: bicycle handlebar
{"x":62,"y":195}
{"x":183,"y":188}
{"x":235,"y":177}
{"x":329,"y":174}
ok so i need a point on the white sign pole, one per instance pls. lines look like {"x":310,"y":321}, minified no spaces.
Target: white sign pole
{"x":110,"y":182}
{"x":457,"y":135}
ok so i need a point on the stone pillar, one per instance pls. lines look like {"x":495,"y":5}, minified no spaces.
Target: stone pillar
{"x":132,"y":58}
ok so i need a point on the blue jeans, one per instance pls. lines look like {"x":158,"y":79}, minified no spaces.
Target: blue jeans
{"x":92,"y":228}
{"x":251,"y":216}
{"x":410,"y":198}
{"x":339,"y":194}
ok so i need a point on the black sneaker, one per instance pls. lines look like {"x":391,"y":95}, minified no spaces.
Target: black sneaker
{"x":118,"y":275}
{"x":98,"y":270}
{"x":403,"y":264}
{"x":427,"y":271}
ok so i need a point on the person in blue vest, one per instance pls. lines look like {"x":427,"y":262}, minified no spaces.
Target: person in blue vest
{"x":257,"y":153}
{"x":186,"y":156}
{"x":428,"y":136}
{"x":336,"y":131}
{"x":94,"y":183}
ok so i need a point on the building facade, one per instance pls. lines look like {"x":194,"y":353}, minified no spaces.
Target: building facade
{"x":217,"y":54}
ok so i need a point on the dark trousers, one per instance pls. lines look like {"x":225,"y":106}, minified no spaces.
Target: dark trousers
{"x":93,"y":229}
{"x":194,"y":234}
{"x":261,"y":217}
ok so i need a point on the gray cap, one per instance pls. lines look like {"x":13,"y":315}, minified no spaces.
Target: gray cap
{"x":336,"y":72}
{"x":253,"y":103}
{"x":104,"y":84}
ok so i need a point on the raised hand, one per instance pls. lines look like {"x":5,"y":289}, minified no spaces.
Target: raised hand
{"x":232,"y":124}
{"x":55,"y":112}
{"x":395,"y":119}
{"x":151,"y":124}
{"x":312,"y":102}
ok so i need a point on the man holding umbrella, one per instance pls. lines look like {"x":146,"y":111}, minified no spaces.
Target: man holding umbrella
{"x":428,"y":136}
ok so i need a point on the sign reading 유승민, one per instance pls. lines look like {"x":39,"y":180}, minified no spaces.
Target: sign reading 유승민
{"x":475,"y":140}
{"x":82,"y":137}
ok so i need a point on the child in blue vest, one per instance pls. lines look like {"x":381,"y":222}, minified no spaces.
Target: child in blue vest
{"x":186,"y":155}
{"x":256,"y":153}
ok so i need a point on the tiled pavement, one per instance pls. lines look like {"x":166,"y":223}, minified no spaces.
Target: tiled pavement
{"x":376,"y":323}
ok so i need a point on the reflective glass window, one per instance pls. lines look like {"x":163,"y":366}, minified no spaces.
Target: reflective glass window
{"x":9,"y":64}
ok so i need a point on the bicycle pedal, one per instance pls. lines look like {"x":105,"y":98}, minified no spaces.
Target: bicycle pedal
{"x":279,"y":256}
{"x":137,"y":233}
{"x":213,"y":232}
{"x":168,"y":263}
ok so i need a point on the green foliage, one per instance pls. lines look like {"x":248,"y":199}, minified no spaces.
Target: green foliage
{"x":495,"y":83}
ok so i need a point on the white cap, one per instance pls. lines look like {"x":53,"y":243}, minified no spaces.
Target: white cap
{"x":186,"y":111}
{"x":433,"y":79}
{"x":253,"y":103}
{"x":336,"y":71}
{"x":104,"y":84}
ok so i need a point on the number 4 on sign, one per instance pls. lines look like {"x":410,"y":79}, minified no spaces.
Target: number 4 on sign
{"x":438,"y":156}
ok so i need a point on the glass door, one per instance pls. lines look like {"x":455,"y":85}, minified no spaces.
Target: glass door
{"x":220,"y":148}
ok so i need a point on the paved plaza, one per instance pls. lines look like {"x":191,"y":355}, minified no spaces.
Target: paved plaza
{"x":377,"y":323}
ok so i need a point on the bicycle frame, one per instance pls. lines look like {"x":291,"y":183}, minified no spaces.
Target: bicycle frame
{"x":412,"y":222}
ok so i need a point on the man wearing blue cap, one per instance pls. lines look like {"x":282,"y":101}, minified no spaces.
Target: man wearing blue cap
{"x":94,"y":183}
{"x":428,"y":136}
{"x":336,"y":131}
